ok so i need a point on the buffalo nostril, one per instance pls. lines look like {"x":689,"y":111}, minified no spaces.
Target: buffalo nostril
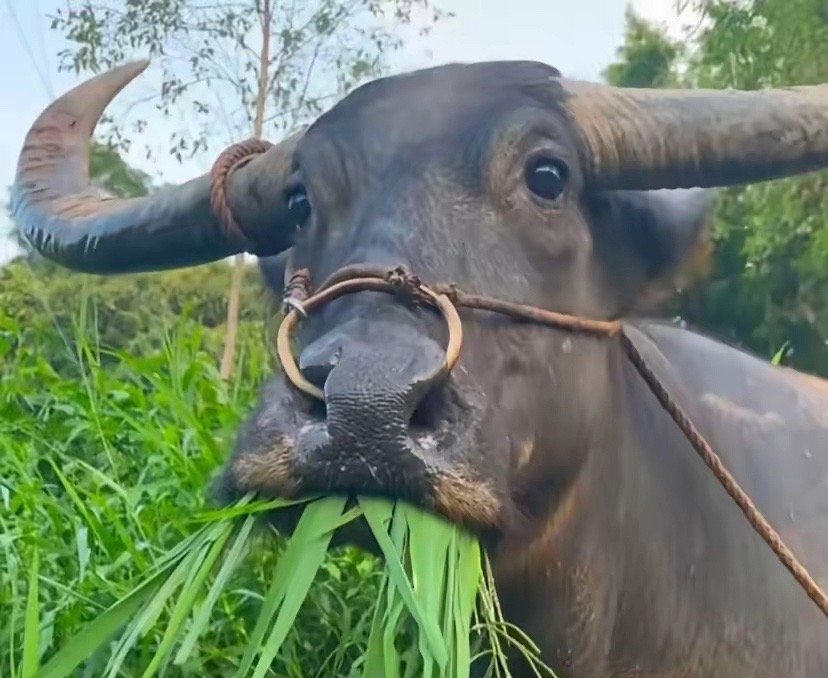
{"x":318,"y":374}
{"x":434,"y":409}
{"x":318,"y":360}
{"x":425,"y":415}
{"x":375,"y":376}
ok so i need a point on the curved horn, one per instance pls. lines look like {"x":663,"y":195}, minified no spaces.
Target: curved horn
{"x":649,"y":138}
{"x":70,"y":222}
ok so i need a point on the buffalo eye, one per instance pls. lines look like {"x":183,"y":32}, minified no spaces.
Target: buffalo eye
{"x":299,"y":207}
{"x":546,"y":177}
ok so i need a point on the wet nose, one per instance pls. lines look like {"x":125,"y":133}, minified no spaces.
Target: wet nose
{"x":374,"y":375}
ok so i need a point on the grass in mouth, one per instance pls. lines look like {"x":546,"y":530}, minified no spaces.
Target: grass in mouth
{"x":437,"y":610}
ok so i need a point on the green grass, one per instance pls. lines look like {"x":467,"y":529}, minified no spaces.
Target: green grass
{"x":434,"y":586}
{"x":105,"y":462}
{"x":108,"y":561}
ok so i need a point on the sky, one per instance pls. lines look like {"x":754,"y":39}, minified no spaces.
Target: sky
{"x":579,"y":37}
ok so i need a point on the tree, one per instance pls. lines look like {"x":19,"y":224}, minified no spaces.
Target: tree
{"x":238,"y":67}
{"x":767,"y":285}
{"x":647,"y":57}
{"x":109,"y":171}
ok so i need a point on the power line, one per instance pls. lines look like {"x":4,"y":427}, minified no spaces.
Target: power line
{"x":22,"y":38}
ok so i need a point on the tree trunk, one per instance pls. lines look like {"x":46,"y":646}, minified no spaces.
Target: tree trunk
{"x":231,"y":331}
{"x":264,"y":9}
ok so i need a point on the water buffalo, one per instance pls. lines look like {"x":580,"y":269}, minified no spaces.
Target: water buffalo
{"x":613,"y":546}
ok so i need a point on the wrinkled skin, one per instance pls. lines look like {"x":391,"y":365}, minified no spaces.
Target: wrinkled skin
{"x":613,"y":546}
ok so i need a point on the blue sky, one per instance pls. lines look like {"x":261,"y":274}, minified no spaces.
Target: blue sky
{"x":577,"y":36}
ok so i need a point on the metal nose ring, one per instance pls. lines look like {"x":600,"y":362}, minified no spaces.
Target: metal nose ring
{"x":377,"y":284}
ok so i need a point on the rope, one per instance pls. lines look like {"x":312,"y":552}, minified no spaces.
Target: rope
{"x":354,"y":278}
{"x":232,"y":158}
{"x":742,"y":499}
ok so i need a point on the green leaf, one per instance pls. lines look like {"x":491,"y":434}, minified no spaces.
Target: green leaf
{"x":376,"y":512}
{"x":246,"y":507}
{"x":100,"y":631}
{"x":187,"y":597}
{"x":467,"y":581}
{"x":31,"y":627}
{"x":300,"y":558}
{"x":146,"y":618}
{"x":202,"y":617}
{"x":311,"y":539}
{"x":780,"y":354}
{"x":429,"y":541}
{"x":374,"y":658}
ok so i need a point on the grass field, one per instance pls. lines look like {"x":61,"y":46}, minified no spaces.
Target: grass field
{"x":106,"y":459}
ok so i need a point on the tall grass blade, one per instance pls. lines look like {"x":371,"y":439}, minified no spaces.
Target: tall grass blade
{"x":270,"y":605}
{"x":147,"y":617}
{"x":376,"y":512}
{"x":383,"y":655}
{"x":187,"y":597}
{"x":100,"y":631}
{"x":464,"y":591}
{"x":202,"y":617}
{"x":449,"y":624}
{"x":246,"y":507}
{"x":311,"y":526}
{"x":373,"y":658}
{"x":429,"y":541}
{"x":312,"y":537}
{"x":31,"y":623}
{"x":391,"y":657}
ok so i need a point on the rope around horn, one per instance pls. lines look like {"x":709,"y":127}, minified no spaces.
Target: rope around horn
{"x":447,"y":298}
{"x":229,"y":160}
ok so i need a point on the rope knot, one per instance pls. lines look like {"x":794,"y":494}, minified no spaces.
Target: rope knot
{"x":406,"y":282}
{"x":451,"y":291}
{"x":297,"y":291}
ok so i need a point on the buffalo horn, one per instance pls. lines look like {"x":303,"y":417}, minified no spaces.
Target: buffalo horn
{"x":67,"y":220}
{"x":645,"y":139}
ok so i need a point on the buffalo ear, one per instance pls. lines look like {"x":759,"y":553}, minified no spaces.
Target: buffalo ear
{"x":660,"y":229}
{"x":647,"y":239}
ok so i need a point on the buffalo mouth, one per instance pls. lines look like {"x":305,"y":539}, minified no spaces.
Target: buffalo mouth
{"x":286,"y":450}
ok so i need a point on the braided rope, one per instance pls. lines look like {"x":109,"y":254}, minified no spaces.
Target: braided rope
{"x":230,"y":159}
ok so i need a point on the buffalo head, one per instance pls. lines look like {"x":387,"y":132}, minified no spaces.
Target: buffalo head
{"x":504,"y":178}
